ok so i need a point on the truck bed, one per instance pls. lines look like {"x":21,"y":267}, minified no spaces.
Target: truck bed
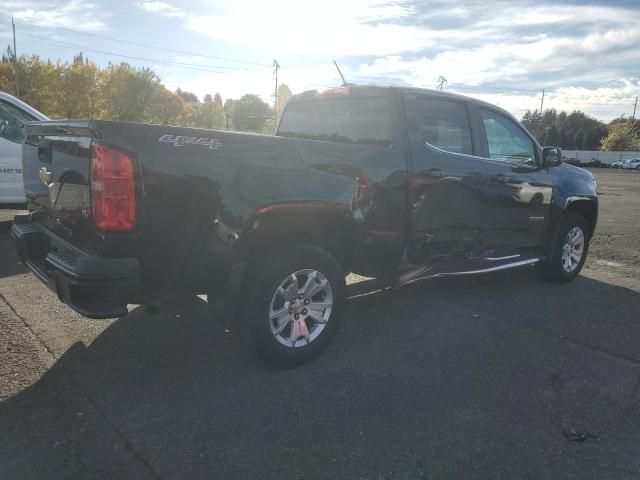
{"x":199,"y":193}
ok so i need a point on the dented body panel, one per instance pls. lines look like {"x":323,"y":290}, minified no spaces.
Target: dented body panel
{"x":208,"y":201}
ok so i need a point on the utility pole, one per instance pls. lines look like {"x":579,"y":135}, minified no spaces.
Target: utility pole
{"x":634,"y":108}
{"x":441,"y":82}
{"x":539,"y":125}
{"x":276,"y":67}
{"x":15,"y":59}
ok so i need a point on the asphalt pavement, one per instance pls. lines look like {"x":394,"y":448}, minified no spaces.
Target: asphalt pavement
{"x":498,"y":376}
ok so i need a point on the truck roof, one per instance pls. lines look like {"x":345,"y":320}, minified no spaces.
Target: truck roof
{"x":384,"y":90}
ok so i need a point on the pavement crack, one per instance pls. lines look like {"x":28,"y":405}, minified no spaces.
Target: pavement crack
{"x":28,"y":327}
{"x":81,"y":388}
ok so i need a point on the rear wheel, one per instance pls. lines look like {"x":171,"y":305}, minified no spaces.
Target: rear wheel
{"x":295,"y":306}
{"x":570,"y":250}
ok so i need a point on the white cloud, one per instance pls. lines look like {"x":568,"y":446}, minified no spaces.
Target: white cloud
{"x":76,"y":14}
{"x":162,"y":8}
{"x":234,"y":84}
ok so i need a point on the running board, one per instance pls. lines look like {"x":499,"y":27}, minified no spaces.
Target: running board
{"x":424,"y":273}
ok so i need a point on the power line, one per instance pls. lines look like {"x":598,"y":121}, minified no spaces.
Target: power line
{"x":203,"y":68}
{"x":495,"y":88}
{"x":144,"y":45}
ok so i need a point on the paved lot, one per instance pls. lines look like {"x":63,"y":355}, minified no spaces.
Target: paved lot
{"x":483,"y":377}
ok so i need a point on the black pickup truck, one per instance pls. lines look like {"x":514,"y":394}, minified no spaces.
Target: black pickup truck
{"x":398,"y":183}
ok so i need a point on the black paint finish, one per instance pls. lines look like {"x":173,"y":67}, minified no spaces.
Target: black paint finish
{"x":210,"y":199}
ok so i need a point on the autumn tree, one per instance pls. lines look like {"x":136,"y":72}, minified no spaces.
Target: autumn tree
{"x":284,"y":94}
{"x":82,"y":89}
{"x":624,"y":135}
{"x":166,"y":107}
{"x":39,"y":81}
{"x":78,"y":88}
{"x":187,"y":96}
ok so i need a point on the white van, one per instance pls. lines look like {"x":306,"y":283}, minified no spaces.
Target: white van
{"x":13,"y":115}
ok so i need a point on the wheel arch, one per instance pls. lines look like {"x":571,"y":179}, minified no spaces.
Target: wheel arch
{"x":327,"y":226}
{"x":586,"y":208}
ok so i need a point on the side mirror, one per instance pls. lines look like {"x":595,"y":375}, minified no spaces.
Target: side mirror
{"x":551,"y":156}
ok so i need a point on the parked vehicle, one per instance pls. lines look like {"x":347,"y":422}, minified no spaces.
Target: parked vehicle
{"x":13,"y":115}
{"x":594,"y":163}
{"x":631,"y":164}
{"x":400,"y":183}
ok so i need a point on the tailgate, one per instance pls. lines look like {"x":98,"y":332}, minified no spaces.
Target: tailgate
{"x":56,"y":160}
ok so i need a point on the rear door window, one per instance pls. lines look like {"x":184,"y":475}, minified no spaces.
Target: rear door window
{"x":363,"y":120}
{"x":444,"y":124}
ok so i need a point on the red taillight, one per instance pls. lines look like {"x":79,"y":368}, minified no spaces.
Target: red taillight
{"x":113,"y":197}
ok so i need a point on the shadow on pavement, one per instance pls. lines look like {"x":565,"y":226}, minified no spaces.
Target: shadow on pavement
{"x":488,"y":377}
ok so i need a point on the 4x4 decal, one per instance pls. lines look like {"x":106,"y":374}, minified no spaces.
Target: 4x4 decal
{"x":180,"y":140}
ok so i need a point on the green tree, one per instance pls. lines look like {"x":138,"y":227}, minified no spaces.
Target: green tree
{"x":229,"y":108}
{"x":572,"y":128}
{"x":209,"y":115}
{"x":127,"y":93}
{"x":552,"y":137}
{"x":593,"y":138}
{"x":207,"y":98}
{"x":251,"y":113}
{"x":578,"y":140}
{"x":218,"y":99}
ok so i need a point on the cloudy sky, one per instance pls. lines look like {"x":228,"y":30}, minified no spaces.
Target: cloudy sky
{"x":584,"y":54}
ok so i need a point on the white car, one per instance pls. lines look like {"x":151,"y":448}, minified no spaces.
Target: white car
{"x":13,"y":115}
{"x":631,"y":163}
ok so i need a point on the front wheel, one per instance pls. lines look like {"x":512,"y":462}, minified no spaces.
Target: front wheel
{"x":297,"y":298}
{"x":570,"y":250}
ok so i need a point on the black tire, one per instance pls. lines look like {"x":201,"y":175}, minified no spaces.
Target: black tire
{"x":552,"y":269}
{"x":264,"y":278}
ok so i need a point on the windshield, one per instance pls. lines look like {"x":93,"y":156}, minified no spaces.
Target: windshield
{"x":11,"y":121}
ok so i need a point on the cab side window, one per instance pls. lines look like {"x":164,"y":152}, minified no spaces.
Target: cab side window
{"x":444,"y":124}
{"x":507,"y":142}
{"x":12,"y":120}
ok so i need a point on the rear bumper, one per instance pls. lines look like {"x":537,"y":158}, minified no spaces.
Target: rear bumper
{"x":95,"y":287}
